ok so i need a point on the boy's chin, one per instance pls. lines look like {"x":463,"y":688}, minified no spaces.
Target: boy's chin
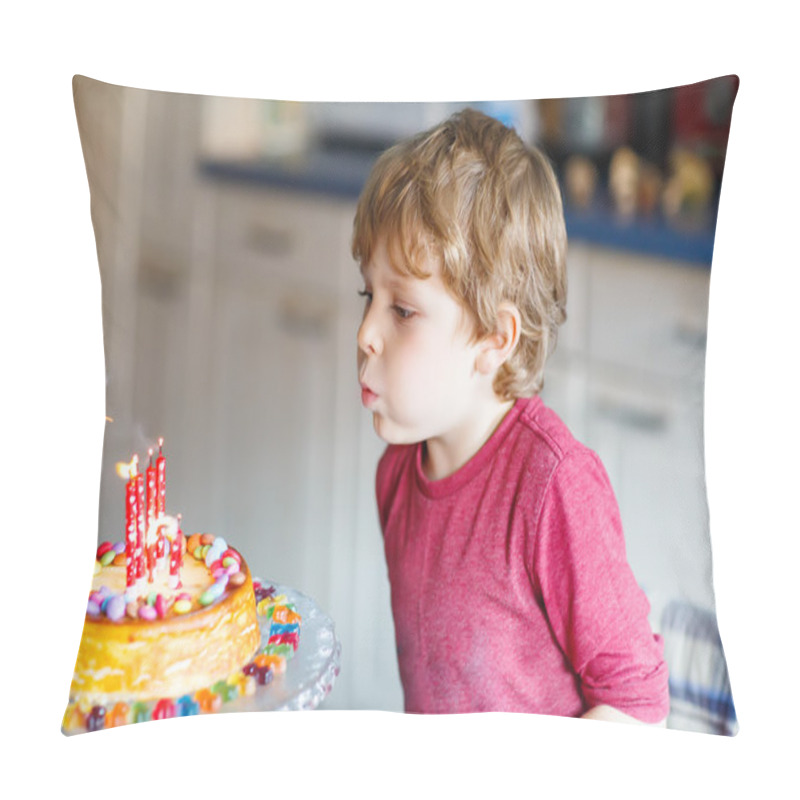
{"x":391,"y":433}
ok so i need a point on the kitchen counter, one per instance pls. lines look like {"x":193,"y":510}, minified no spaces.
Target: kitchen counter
{"x":340,"y":173}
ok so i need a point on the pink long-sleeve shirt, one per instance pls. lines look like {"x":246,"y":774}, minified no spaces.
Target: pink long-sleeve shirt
{"x":510,"y":586}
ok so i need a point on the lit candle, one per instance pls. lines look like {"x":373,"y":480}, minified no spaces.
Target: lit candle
{"x":151,"y":489}
{"x":131,"y":527}
{"x":161,"y":498}
{"x":141,"y":521}
{"x":161,"y":480}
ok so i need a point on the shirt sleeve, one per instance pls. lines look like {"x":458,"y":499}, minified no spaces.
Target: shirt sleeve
{"x":597,"y":611}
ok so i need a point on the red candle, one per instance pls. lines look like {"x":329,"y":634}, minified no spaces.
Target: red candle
{"x":131,"y":527}
{"x":140,"y":522}
{"x":151,"y":490}
{"x":175,"y":557}
{"x":161,"y":480}
{"x":161,"y":496}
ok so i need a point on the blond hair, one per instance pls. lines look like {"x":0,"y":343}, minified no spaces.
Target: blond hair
{"x":471,"y":193}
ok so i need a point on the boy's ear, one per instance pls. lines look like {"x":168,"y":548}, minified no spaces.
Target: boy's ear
{"x":499,"y":345}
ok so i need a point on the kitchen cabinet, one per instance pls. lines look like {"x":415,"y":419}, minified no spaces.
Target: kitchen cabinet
{"x":627,"y":378}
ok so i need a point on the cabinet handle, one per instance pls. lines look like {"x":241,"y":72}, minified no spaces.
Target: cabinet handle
{"x":270,"y":241}
{"x":309,"y":323}
{"x":690,"y":336}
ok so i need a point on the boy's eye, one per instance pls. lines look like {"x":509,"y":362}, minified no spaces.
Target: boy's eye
{"x":366,"y":294}
{"x":401,"y":312}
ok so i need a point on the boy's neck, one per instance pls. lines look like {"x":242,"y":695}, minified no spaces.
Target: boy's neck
{"x":444,"y":455}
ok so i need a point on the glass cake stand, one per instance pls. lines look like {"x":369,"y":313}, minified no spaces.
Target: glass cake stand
{"x":310,"y":673}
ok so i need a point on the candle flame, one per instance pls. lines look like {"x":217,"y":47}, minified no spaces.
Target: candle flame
{"x":128,"y":470}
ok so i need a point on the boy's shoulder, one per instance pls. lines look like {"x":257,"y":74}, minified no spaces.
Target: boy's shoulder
{"x":543,"y":431}
{"x":543,"y":446}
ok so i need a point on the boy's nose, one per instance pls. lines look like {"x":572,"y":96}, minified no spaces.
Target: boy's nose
{"x":368,"y":337}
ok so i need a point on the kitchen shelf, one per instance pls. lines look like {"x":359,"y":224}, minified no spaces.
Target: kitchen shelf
{"x":341,"y":174}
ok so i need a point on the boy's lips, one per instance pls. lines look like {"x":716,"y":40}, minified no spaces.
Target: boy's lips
{"x":368,"y":397}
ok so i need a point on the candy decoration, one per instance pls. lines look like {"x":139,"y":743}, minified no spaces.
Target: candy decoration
{"x":225,"y":690}
{"x":186,"y":707}
{"x":164,"y":709}
{"x":237,"y":579}
{"x":193,"y":542}
{"x":73,"y":718}
{"x":103,"y":549}
{"x":213,"y":592}
{"x":141,"y":712}
{"x":285,"y":616}
{"x":160,"y":606}
{"x":96,"y":719}
{"x":274,"y":662}
{"x":284,"y":650}
{"x":277,"y":629}
{"x":285,"y":638}
{"x":208,"y":701}
{"x":117,"y":716}
{"x":115,"y":608}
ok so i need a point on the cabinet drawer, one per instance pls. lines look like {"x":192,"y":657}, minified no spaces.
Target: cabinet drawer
{"x":648,"y":314}
{"x":262,"y":235}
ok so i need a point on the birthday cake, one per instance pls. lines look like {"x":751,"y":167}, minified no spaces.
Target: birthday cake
{"x":172,"y":624}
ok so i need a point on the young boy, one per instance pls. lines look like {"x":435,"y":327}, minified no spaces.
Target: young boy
{"x":509,"y":582}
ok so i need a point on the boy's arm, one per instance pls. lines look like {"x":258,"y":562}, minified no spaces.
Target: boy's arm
{"x":610,"y":714}
{"x":598,"y":613}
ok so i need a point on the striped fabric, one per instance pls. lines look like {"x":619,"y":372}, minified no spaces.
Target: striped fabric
{"x":699,"y":686}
